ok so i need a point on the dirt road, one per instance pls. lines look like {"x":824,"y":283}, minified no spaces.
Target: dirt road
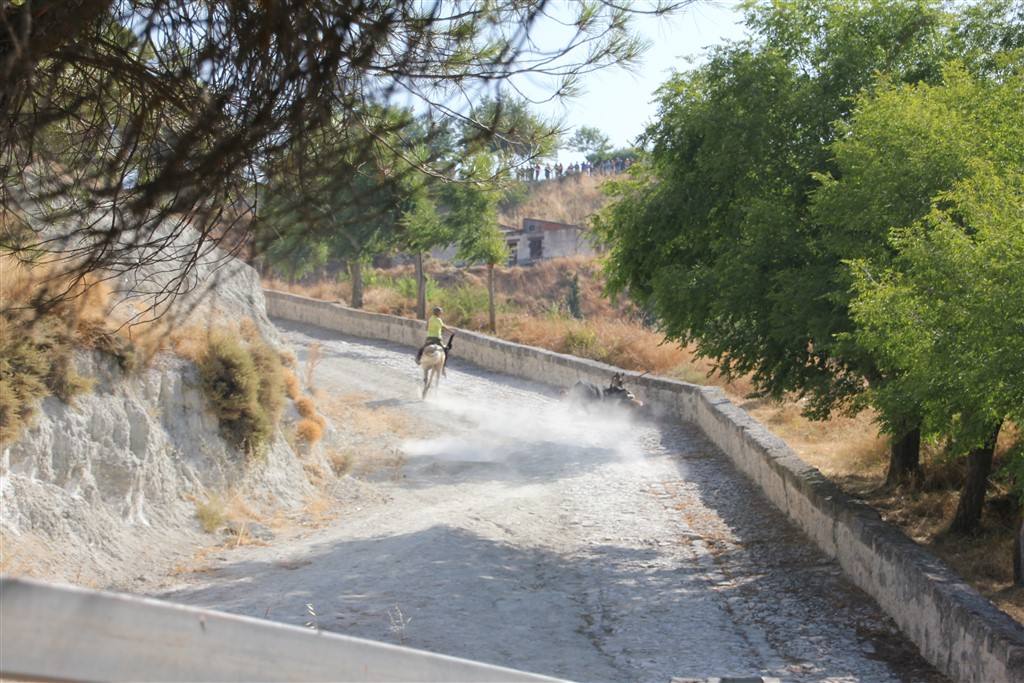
{"x":516,"y":532}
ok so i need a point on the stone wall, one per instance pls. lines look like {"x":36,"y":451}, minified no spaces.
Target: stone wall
{"x":955,"y":628}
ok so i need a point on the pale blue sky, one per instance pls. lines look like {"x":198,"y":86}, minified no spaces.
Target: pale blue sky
{"x":618,"y":101}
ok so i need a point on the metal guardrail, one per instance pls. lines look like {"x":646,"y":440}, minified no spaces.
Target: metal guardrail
{"x":64,"y":633}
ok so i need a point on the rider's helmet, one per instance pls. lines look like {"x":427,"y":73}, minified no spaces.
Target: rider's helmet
{"x":438,"y":310}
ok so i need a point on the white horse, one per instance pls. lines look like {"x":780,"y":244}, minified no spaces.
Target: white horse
{"x":432,"y":361}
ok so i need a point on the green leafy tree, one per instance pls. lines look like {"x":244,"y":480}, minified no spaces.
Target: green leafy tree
{"x":715,"y":233}
{"x":525,"y":135}
{"x":917,"y":166}
{"x":335,"y":199}
{"x":423,"y":230}
{"x":946,"y":318}
{"x":472,"y":216}
{"x":136,"y":113}
{"x":590,"y":142}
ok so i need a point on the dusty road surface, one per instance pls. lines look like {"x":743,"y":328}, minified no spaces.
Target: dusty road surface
{"x":511,"y":530}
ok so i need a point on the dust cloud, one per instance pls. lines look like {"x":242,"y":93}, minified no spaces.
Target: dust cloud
{"x":489,"y":431}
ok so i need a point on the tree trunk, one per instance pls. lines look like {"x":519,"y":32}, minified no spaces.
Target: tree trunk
{"x":355,"y":267}
{"x":421,"y":289}
{"x":490,"y":298}
{"x":1018,"y":553}
{"x":972,"y":497}
{"x":905,"y":457}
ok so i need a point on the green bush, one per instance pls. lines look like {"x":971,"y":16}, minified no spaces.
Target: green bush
{"x":582,"y":341}
{"x":244,"y":383}
{"x":406,"y":286}
{"x":272,"y":391}
{"x":460,"y":303}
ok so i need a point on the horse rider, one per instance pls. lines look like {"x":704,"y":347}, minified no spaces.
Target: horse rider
{"x":435,"y":326}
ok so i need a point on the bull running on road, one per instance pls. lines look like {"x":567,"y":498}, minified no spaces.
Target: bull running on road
{"x":587,"y":395}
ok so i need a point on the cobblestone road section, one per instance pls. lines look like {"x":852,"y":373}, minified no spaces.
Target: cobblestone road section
{"x":522,"y":533}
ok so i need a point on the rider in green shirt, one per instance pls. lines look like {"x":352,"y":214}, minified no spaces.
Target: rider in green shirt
{"x":435,"y":326}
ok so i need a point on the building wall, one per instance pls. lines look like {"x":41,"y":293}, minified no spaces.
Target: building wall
{"x":556,"y":240}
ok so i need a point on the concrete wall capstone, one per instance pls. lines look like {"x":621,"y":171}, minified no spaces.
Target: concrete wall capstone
{"x":957,"y":630}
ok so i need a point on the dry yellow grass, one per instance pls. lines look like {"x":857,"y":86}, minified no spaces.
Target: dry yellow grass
{"x":319,"y":509}
{"x":370,"y":421}
{"x":291,"y":385}
{"x":341,"y":462}
{"x":211,"y":513}
{"x":305,"y":406}
{"x":572,"y":199}
{"x":309,"y":430}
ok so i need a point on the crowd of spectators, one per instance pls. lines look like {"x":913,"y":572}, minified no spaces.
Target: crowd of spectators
{"x":556,"y":171}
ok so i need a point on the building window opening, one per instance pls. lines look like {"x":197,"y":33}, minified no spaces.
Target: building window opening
{"x":536,"y":248}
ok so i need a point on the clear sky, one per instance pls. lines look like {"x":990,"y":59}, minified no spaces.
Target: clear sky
{"x":619,"y":102}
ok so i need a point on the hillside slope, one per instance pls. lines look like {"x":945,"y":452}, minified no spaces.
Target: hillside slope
{"x":117,"y":478}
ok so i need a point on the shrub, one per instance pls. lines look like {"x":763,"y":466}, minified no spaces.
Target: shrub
{"x":272,"y":378}
{"x":35,"y":362}
{"x":211,"y":514}
{"x":307,"y":409}
{"x":291,"y":385}
{"x":582,"y":341}
{"x":232,"y":384}
{"x":309,"y":430}
{"x":462,"y":303}
{"x":341,"y":462}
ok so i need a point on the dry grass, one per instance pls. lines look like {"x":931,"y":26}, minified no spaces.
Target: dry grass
{"x":38,"y":340}
{"x":327,"y":290}
{"x":291,"y":384}
{"x":571,"y":199}
{"x":314,"y":354}
{"x":320,"y":509}
{"x":310,"y":431}
{"x":341,"y":462}
{"x":212,"y":514}
{"x":369,"y":422}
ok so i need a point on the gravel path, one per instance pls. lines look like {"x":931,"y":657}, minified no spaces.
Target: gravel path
{"x":523,"y":534}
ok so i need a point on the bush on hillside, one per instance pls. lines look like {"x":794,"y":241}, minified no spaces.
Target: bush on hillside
{"x":244,"y":383}
{"x":309,"y":430}
{"x":35,"y":362}
{"x":272,"y":388}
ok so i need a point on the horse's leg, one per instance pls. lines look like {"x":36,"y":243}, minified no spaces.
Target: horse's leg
{"x":426,"y":381}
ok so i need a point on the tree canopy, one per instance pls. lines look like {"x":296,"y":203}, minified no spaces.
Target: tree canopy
{"x":153,"y":122}
{"x":732,"y":231}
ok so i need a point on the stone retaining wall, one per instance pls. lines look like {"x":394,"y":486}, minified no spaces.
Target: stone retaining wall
{"x":956,"y":629}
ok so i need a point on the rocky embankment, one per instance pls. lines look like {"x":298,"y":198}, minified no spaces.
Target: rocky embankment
{"x":105,"y":490}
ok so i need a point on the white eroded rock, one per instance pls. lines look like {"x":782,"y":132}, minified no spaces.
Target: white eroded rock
{"x":104,"y":485}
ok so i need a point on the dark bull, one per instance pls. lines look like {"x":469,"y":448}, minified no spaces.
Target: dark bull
{"x":587,"y":394}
